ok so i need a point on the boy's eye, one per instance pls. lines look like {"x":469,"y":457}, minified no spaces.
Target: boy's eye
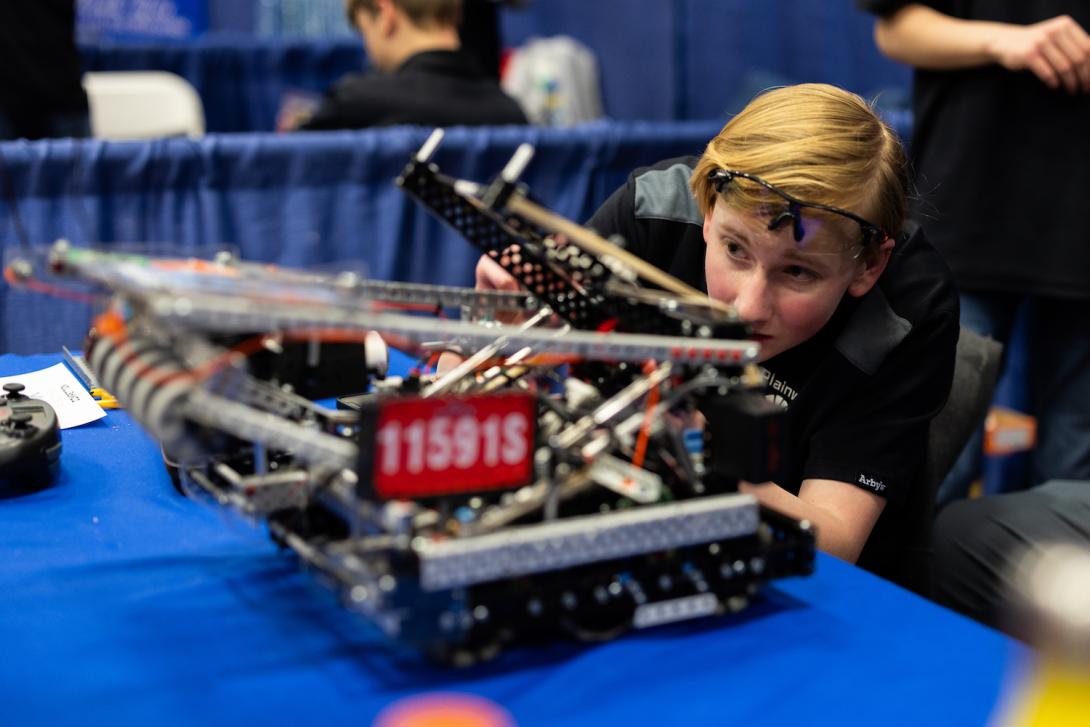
{"x":799,"y":273}
{"x":734,"y":249}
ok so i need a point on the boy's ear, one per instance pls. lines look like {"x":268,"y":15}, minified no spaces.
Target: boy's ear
{"x":871,"y":268}
{"x":386,"y":14}
{"x":356,"y":23}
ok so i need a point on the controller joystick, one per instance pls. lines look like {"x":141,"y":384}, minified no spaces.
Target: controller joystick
{"x":13,"y":391}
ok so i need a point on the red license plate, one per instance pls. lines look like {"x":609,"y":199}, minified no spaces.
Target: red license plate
{"x":443,"y":446}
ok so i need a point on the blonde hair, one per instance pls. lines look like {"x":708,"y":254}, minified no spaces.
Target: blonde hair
{"x":816,"y":142}
{"x":422,"y":13}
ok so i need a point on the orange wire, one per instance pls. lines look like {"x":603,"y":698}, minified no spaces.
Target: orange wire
{"x":552,"y":359}
{"x":40,"y":287}
{"x":645,"y":428}
{"x":419,"y":307}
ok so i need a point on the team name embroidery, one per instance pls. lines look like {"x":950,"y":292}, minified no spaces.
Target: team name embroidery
{"x":876,"y":485}
{"x":780,"y":392}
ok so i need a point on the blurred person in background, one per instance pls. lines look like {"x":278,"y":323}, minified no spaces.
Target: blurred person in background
{"x":1001,"y":149}
{"x":421,"y":76}
{"x":1000,"y":146}
{"x":480,"y":32}
{"x":40,"y":90}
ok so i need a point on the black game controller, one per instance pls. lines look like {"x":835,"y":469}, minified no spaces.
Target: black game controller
{"x":30,"y":442}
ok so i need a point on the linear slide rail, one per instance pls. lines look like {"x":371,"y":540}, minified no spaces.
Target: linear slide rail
{"x":140,"y":276}
{"x":228,"y":314}
{"x":529,"y":549}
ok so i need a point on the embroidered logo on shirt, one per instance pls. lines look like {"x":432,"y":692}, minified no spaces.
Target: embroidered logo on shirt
{"x":781,"y":393}
{"x":871,"y":483}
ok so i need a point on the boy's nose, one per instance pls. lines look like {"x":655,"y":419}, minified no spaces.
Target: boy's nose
{"x":753,"y":301}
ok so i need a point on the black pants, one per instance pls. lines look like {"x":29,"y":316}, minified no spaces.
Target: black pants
{"x":978,"y":542}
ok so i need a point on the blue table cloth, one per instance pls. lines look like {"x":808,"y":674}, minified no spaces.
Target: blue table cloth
{"x":124,"y":603}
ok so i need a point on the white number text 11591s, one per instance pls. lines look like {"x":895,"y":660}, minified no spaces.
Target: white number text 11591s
{"x":442,"y":442}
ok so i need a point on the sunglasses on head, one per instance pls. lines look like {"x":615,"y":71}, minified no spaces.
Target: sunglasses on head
{"x":871,"y":233}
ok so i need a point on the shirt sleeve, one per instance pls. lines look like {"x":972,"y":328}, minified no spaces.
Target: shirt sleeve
{"x":883,"y":8}
{"x":878,"y":437}
{"x":346,"y":105}
{"x":617,"y":216}
{"x":327,"y":116}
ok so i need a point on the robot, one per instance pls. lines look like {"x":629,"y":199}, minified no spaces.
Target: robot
{"x":551,"y":483}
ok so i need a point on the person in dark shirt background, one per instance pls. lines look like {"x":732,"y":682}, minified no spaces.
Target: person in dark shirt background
{"x":421,"y":75}
{"x":40,"y":90}
{"x":480,"y":32}
{"x":1002,"y":108}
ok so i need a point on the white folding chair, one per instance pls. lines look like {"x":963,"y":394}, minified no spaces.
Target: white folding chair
{"x":142,"y":105}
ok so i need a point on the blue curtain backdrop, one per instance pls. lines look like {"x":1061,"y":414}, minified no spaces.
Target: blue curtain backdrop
{"x":659,"y":59}
{"x":299,"y":200}
{"x":699,"y":59}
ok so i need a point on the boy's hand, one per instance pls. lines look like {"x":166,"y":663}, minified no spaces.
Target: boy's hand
{"x":490,"y":276}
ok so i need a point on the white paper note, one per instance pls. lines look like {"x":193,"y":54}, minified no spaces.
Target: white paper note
{"x":61,"y":390}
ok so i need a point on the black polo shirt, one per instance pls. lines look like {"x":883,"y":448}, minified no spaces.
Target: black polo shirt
{"x":39,"y":64}
{"x":435,"y":88}
{"x":860,"y":394}
{"x":1003,"y":163}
